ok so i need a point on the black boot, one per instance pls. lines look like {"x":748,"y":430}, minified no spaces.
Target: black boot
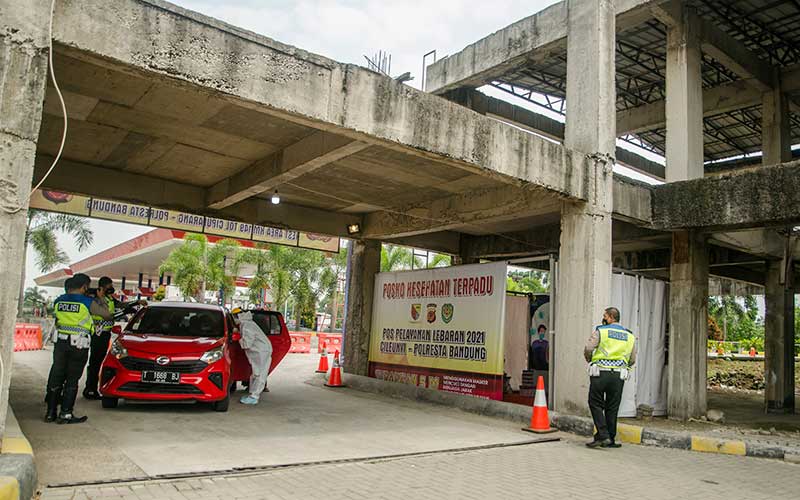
{"x":91,"y":395}
{"x":51,"y":398}
{"x":67,"y":404}
{"x":69,"y":418}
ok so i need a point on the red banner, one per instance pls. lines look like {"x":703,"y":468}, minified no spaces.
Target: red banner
{"x":473,"y":384}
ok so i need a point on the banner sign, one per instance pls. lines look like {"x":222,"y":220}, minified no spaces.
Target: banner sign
{"x":319,"y":242}
{"x":56,"y":201}
{"x":275,"y":235}
{"x":441,"y":329}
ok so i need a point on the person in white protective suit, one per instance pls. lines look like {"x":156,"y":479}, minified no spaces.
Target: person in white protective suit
{"x":258,"y":349}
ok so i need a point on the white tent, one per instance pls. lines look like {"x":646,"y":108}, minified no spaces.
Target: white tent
{"x":643,"y":305}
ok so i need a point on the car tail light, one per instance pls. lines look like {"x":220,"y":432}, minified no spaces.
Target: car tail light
{"x":216,"y":379}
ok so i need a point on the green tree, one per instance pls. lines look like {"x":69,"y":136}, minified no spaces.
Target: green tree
{"x":527,"y":282}
{"x":197,"y":266}
{"x":440,"y":260}
{"x":397,"y":258}
{"x":35,"y":297}
{"x":41,"y":234}
{"x":737,"y":319}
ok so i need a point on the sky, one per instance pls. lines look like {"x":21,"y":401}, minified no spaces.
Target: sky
{"x":345,"y":30}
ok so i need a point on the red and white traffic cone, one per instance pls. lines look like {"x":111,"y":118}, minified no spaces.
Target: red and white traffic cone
{"x":323,"y":360}
{"x":335,"y":380}
{"x":540,"y":420}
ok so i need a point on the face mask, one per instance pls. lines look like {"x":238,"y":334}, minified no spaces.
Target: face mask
{"x":541,"y":336}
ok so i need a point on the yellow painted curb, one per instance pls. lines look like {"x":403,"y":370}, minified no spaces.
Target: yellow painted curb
{"x":629,"y":433}
{"x":9,"y":488}
{"x":18,"y":445}
{"x":711,"y":445}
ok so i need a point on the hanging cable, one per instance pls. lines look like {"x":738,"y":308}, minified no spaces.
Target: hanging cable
{"x":15,"y":209}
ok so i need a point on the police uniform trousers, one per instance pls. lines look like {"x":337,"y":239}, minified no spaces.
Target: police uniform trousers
{"x":62,"y":384}
{"x":605,"y":396}
{"x":99,"y":348}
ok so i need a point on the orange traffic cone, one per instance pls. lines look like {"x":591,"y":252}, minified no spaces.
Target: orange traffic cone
{"x":323,"y":360}
{"x":335,"y":380}
{"x":540,"y":420}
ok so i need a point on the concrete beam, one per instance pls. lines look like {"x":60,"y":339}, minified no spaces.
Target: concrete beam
{"x":456,"y":211}
{"x":728,"y":97}
{"x":541,"y":125}
{"x":764,"y":197}
{"x":304,"y":156}
{"x":114,"y":184}
{"x":512,"y":46}
{"x":448,"y":242}
{"x":729,"y":51}
{"x":161,"y":41}
{"x":539,"y":241}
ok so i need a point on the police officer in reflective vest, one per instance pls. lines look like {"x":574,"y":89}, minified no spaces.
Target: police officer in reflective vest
{"x":101,"y":337}
{"x":74,"y":327}
{"x":611,"y":352}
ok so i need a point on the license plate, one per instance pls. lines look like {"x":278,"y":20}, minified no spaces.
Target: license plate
{"x":161,"y":377}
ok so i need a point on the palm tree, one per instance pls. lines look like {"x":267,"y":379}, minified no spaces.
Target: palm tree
{"x":197,"y":266}
{"x":42,"y":234}
{"x":35,"y":297}
{"x":397,"y":258}
{"x":440,"y":260}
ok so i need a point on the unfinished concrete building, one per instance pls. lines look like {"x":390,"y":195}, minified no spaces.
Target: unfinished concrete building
{"x":172,"y":109}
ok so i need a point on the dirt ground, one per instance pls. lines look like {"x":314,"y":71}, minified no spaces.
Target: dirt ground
{"x":740,"y":374}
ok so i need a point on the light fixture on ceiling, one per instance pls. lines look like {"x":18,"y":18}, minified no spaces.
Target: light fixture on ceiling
{"x":275,"y":198}
{"x":353,"y":228}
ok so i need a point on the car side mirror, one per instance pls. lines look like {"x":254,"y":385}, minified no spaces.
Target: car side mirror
{"x":116,"y":329}
{"x":236,"y":336}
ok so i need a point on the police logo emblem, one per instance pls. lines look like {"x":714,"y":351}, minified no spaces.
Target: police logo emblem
{"x":447,"y":313}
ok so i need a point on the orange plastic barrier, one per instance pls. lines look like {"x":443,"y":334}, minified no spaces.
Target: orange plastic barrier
{"x":332,"y":341}
{"x":27,"y":337}
{"x":301,"y":343}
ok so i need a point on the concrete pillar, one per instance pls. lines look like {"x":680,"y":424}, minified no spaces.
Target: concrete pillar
{"x":779,"y":341}
{"x":688,"y":326}
{"x":365,"y":263}
{"x":23,"y":77}
{"x":776,"y":141}
{"x":684,"y":106}
{"x":584,"y":268}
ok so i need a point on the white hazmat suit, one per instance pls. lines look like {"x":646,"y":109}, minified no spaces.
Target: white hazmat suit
{"x":258,"y":349}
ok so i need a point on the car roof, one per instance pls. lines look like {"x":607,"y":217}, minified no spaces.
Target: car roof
{"x":187,"y":305}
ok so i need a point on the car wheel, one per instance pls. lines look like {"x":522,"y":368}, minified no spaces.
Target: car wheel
{"x":222,"y":405}
{"x":110,"y":402}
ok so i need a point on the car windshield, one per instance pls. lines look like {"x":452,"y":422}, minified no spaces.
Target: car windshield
{"x":178,"y":322}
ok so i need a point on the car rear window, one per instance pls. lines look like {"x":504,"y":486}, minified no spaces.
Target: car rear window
{"x":268,"y":322}
{"x":178,"y":322}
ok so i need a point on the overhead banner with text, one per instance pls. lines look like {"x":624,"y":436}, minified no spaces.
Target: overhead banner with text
{"x":56,"y":201}
{"x":441,"y":329}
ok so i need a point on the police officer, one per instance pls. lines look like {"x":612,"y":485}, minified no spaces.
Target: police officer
{"x":102,"y":333}
{"x":101,"y":337}
{"x":611,"y":352}
{"x":74,"y":327}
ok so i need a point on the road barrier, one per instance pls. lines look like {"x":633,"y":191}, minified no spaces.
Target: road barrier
{"x":333,"y":341}
{"x":301,"y":343}
{"x":27,"y":337}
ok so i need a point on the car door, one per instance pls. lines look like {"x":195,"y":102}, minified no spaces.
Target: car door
{"x":240,"y":366}
{"x":279,"y":337}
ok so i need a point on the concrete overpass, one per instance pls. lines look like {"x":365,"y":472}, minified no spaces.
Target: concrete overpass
{"x":178,"y":110}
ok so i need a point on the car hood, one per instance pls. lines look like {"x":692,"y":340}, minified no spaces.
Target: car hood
{"x":163,"y":344}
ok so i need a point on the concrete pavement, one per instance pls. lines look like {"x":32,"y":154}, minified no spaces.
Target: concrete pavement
{"x":295,"y":423}
{"x":564,"y":469}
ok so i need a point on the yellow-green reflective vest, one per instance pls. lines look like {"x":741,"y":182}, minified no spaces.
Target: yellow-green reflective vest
{"x":102,"y":325}
{"x":615,"y":347}
{"x":73,"y":318}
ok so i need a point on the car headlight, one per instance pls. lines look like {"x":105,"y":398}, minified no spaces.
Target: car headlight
{"x":118,"y":350}
{"x":213,"y":355}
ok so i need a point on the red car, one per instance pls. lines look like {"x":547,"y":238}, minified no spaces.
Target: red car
{"x":178,"y":351}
